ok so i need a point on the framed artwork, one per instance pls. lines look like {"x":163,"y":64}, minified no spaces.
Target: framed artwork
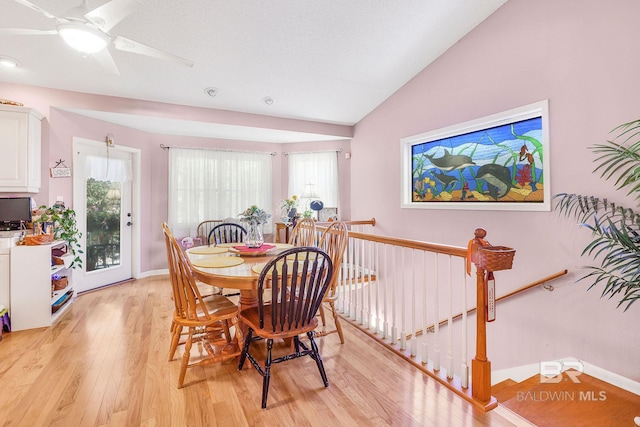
{"x":498,"y":162}
{"x":325,"y":213}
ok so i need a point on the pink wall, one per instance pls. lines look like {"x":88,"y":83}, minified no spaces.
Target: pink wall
{"x":60,"y":127}
{"x":581,"y":56}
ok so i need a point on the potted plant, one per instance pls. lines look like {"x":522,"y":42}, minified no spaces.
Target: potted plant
{"x":289,"y":208}
{"x":615,"y":228}
{"x":63,"y":221}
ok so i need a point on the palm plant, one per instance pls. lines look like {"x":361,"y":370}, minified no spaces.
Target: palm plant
{"x":615,"y":228}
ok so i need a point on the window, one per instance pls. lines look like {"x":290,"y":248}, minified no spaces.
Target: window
{"x":320,"y":169}
{"x":209,"y":184}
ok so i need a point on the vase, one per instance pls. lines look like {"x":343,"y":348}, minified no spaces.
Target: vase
{"x":254,"y":238}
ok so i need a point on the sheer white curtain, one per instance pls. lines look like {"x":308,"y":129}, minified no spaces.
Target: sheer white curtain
{"x":210,"y":184}
{"x":108,"y":169}
{"x":320,"y":169}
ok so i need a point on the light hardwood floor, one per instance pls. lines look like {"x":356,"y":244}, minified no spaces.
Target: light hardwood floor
{"x":105,"y":364}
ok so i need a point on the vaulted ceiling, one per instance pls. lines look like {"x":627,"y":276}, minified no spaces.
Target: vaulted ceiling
{"x":329,"y":61}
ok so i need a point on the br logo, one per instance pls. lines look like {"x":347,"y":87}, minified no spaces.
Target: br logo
{"x":551,"y":371}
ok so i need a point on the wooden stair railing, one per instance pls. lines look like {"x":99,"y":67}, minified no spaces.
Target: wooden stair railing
{"x":520,"y":290}
{"x":374,"y":300}
{"x":383,"y":298}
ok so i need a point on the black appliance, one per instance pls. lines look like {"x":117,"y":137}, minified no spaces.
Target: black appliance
{"x":14,"y":211}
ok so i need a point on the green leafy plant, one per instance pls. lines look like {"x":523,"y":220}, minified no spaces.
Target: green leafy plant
{"x":615,"y":228}
{"x":64,"y":228}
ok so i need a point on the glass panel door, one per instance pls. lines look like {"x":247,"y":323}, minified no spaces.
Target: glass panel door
{"x":103,"y":211}
{"x":104,"y":202}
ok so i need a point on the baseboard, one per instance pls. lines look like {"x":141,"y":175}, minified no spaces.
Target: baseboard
{"x":512,"y":417}
{"x":521,"y":373}
{"x":152,"y":273}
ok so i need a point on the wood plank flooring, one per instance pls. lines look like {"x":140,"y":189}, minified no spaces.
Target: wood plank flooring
{"x":589,"y":403}
{"x":105,"y":364}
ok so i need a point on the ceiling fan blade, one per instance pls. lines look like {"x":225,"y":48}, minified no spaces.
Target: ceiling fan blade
{"x":128,"y":45}
{"x":26,"y":31}
{"x":106,"y":60}
{"x":37,"y":9}
{"x":110,"y":14}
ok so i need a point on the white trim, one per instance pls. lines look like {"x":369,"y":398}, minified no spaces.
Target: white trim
{"x":536,"y":109}
{"x":521,"y":373}
{"x":512,"y":417}
{"x":136,"y":155}
{"x":151,"y":273}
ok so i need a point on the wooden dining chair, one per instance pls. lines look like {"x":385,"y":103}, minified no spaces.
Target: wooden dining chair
{"x":298,"y":279}
{"x":204,"y":228}
{"x":226,"y":232}
{"x":206,"y":321}
{"x":334,"y":242}
{"x":304,"y":233}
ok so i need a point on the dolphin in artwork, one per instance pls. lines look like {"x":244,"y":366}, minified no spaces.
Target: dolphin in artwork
{"x":498,"y":177}
{"x":444,"y":179}
{"x":449,"y":161}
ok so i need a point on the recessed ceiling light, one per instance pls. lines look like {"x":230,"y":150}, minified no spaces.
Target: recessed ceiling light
{"x":212,"y":91}
{"x":5,"y":61}
{"x":268,"y":100}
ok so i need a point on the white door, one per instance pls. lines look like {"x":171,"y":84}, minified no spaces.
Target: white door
{"x":102,"y":193}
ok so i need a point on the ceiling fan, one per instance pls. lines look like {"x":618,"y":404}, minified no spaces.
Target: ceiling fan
{"x":87,"y":30}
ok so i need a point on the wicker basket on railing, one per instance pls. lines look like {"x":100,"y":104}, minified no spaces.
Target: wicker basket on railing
{"x":38,"y":239}
{"x":495,"y":258}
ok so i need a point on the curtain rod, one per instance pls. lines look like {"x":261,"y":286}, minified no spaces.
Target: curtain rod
{"x":313,"y":152}
{"x":166,"y":147}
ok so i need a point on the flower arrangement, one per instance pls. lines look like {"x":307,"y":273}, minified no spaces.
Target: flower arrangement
{"x":255,"y":215}
{"x":289,"y":203}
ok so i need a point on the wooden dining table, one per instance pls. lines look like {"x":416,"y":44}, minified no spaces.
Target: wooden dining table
{"x":243,"y":276}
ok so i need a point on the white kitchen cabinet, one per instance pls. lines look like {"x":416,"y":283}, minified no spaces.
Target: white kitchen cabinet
{"x":20,"y":139}
{"x":4,"y":278}
{"x":31,"y":296}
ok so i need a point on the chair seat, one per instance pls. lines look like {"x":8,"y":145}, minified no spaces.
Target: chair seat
{"x":218,"y":308}
{"x":219,"y":305}
{"x":251,"y":318}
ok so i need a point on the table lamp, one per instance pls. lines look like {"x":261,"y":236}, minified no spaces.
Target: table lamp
{"x":313,"y":202}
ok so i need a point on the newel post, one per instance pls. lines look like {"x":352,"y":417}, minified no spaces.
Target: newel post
{"x":487,"y":259}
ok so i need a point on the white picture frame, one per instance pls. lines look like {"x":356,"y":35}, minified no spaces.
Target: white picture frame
{"x":326,"y":213}
{"x":497,"y":162}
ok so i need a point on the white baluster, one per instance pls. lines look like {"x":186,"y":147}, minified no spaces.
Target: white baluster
{"x":450,"y":322}
{"x":403,"y":311}
{"x":436,"y":324}
{"x":425,"y":349}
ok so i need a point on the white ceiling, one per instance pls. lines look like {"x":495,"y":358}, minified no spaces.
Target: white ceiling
{"x":329,"y":61}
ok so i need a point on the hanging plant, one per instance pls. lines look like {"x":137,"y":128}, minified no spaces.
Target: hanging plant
{"x":63,"y":221}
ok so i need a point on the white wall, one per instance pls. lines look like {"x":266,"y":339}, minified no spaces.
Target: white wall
{"x":582,"y":55}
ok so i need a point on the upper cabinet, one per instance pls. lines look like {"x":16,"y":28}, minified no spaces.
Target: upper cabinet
{"x":20,"y":134}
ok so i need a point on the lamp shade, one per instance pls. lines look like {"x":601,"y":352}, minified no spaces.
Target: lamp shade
{"x":309,"y":192}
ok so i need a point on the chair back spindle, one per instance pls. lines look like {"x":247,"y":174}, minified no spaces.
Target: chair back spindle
{"x":304,"y":233}
{"x":227,"y":232}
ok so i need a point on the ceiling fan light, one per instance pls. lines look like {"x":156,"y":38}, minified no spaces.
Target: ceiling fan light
{"x":5,"y":61}
{"x":84,"y":38}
